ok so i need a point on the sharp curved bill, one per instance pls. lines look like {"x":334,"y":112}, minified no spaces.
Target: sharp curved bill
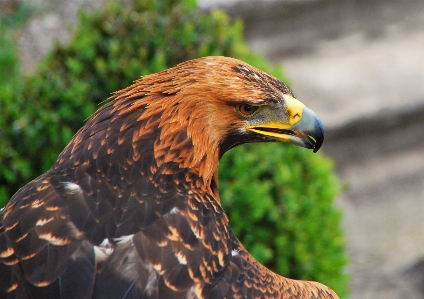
{"x":308,"y":132}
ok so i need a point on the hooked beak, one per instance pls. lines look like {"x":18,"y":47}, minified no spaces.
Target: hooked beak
{"x":307,"y":130}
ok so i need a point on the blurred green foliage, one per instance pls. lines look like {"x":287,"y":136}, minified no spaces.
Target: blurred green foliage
{"x":10,"y":86}
{"x":280,"y":203}
{"x":279,"y":197}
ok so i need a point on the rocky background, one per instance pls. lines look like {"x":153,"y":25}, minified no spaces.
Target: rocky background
{"x":359,"y":65}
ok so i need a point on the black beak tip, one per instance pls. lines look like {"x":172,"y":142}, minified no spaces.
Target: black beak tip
{"x":318,"y":135}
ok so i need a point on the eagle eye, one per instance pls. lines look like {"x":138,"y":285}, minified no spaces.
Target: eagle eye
{"x":246,"y":110}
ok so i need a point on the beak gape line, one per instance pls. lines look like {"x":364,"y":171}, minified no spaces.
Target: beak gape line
{"x":308,"y":132}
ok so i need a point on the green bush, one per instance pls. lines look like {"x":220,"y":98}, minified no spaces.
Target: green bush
{"x":279,"y":197}
{"x":280,"y":203}
{"x":10,"y":86}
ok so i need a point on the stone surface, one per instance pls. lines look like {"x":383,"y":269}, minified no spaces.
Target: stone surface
{"x":51,"y":21}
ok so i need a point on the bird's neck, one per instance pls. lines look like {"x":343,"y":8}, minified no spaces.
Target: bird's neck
{"x":175,"y":151}
{"x":147,"y":141}
{"x":182,"y":133}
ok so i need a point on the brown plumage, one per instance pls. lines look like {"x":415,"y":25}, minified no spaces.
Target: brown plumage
{"x":131,"y":208}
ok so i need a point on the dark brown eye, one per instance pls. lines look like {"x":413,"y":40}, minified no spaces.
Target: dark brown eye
{"x":247,"y":110}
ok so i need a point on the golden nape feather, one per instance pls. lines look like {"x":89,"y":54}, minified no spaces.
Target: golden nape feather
{"x":131,"y":208}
